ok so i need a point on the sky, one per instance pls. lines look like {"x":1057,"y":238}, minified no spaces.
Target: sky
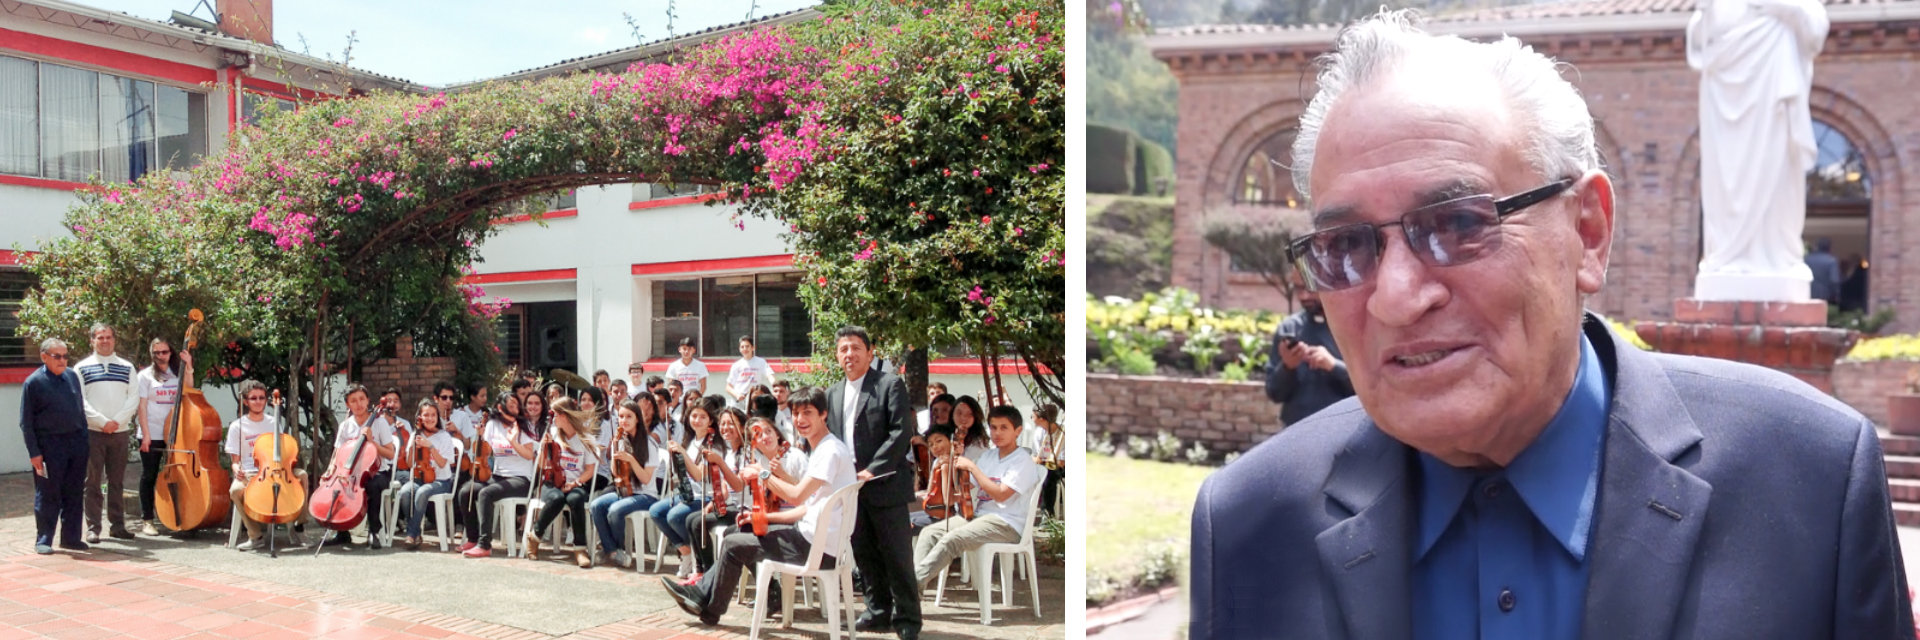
{"x":439,"y":42}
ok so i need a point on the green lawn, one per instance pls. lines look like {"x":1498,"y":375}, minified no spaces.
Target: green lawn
{"x":1133,"y":504}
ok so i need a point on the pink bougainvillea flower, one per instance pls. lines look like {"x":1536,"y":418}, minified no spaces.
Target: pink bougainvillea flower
{"x":823,"y":281}
{"x":986,"y":219}
{"x":1017,"y":231}
{"x":509,"y":134}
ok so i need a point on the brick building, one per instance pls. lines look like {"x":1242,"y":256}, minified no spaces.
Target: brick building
{"x":1243,"y":87}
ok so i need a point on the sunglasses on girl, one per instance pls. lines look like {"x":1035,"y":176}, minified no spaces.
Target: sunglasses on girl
{"x":1442,"y":234}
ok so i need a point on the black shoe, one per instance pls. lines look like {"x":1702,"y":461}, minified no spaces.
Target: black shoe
{"x":689,"y":598}
{"x":373,"y":542}
{"x":909,"y":631}
{"x":74,"y":546}
{"x":869,"y":622}
{"x":337,"y":540}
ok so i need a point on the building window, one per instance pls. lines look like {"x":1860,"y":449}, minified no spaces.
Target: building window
{"x":1839,"y":173}
{"x":1266,"y":178}
{"x":255,"y":105}
{"x":715,"y":312}
{"x":15,"y":349}
{"x":645,"y":191}
{"x":509,"y":331}
{"x":70,"y":124}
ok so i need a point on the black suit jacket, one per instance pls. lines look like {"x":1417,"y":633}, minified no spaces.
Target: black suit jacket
{"x":883,"y":430}
{"x":1735,"y":502}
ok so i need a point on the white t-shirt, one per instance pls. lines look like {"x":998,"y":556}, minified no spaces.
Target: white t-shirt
{"x":163,"y":394}
{"x":832,"y":461}
{"x":784,"y":420}
{"x":379,"y":432}
{"x":240,"y":436}
{"x":466,"y":421}
{"x":605,"y":440}
{"x":444,"y":443}
{"x":507,"y":462}
{"x":926,"y":420}
{"x":690,"y":374}
{"x":574,"y":457}
{"x":1016,"y":470}
{"x":658,"y":438}
{"x":747,"y":372}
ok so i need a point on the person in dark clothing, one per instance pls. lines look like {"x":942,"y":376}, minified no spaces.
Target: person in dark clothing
{"x":1853,"y":289}
{"x":1826,"y":272}
{"x":53,"y":417}
{"x":1305,"y":373}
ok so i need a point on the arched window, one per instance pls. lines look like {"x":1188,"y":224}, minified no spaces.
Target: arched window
{"x":1839,"y":174}
{"x":1266,"y":178}
{"x":1839,"y":207}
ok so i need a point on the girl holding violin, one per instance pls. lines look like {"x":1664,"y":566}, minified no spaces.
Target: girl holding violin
{"x":729,"y":456}
{"x":567,"y":446}
{"x":689,"y":462}
{"x":430,"y":453}
{"x":594,"y":402}
{"x":534,"y":415}
{"x":363,"y":421}
{"x":513,"y":453}
{"x":969,"y":427}
{"x":240,"y":437}
{"x":630,"y":453}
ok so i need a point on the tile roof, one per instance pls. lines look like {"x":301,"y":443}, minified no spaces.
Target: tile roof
{"x":1559,"y":9}
{"x":638,"y":51}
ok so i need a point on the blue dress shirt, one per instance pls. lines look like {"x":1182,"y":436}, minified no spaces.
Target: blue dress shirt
{"x":1503,"y":554}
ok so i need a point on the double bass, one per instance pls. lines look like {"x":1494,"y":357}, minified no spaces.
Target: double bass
{"x":191,"y":490}
{"x":274,"y":496}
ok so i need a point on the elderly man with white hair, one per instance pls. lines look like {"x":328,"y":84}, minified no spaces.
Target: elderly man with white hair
{"x":53,"y":420}
{"x":1510,"y":468}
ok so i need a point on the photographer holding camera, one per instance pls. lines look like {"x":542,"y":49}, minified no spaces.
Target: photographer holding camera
{"x":1305,"y":373}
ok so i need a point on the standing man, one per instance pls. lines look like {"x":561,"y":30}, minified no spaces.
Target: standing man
{"x":691,"y":373}
{"x":107,"y":383}
{"x":1305,"y":374}
{"x":872,"y":413}
{"x":1826,"y":272}
{"x":746,"y":372}
{"x":53,"y":419}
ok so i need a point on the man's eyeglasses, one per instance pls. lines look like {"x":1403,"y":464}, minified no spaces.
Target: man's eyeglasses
{"x":446,"y":396}
{"x":57,"y":356}
{"x":1443,"y":234}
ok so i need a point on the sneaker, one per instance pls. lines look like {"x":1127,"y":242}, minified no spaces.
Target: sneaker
{"x":43,"y":549}
{"x":122,"y":534}
{"x":75,"y":546}
{"x":373,"y":542}
{"x":249,"y":545}
{"x":478,"y":552}
{"x":688,"y":598}
{"x":468,"y":546}
{"x":93,"y":537}
{"x":294,"y":538}
{"x":624,"y":559}
{"x":149,"y":530}
{"x":686,"y":564}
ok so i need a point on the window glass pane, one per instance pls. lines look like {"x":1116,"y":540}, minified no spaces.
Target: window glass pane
{"x":726,"y":308}
{"x":676,"y":315}
{"x":655,"y":191}
{"x":1265,"y":177}
{"x":19,"y":117}
{"x":182,"y":127}
{"x":782,"y":321}
{"x":126,"y":128}
{"x":14,"y":347}
{"x":507,"y":330}
{"x":69,"y":123}
{"x":255,"y":104}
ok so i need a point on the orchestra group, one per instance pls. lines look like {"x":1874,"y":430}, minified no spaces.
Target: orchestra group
{"x":757,"y":463}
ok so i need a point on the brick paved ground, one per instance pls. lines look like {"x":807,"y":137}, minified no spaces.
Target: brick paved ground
{"x":160,"y":588}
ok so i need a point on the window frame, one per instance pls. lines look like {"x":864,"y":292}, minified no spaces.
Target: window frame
{"x":154,"y":161}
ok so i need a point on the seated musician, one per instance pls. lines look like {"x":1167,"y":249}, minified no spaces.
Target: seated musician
{"x":939,"y":440}
{"x":726,"y":458}
{"x":363,"y":421}
{"x":1004,"y":477}
{"x":789,"y":536}
{"x":414,"y":497}
{"x":634,"y":448}
{"x":575,"y":430}
{"x":240,"y":437}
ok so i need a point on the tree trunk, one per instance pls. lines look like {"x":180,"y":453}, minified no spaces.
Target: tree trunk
{"x":916,"y":374}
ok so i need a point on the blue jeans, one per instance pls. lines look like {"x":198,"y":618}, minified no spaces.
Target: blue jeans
{"x":671,"y":517}
{"x":609,"y":513}
{"x":413,"y":502}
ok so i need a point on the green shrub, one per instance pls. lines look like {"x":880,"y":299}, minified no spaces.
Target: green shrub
{"x":1203,"y":345}
{"x":1166,"y":447}
{"x":1152,"y":169}
{"x":1199,"y":455}
{"x":1134,"y":362}
{"x":1110,"y":158}
{"x":1139,"y":448}
{"x":1235,"y":372}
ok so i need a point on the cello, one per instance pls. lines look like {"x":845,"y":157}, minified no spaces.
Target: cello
{"x":191,"y":490}
{"x":274,"y":496}
{"x":340,"y":500}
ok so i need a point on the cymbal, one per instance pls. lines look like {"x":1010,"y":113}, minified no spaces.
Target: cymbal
{"x":569,"y":378}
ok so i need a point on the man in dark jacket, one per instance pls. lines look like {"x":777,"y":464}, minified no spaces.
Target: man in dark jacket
{"x":53,"y":418}
{"x":872,"y":413}
{"x":1305,"y":373}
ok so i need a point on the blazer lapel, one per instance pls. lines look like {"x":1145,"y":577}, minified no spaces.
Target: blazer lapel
{"x":1368,"y":557}
{"x":1649,"y":512}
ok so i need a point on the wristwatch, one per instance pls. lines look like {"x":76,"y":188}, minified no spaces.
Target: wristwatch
{"x":765,"y":473}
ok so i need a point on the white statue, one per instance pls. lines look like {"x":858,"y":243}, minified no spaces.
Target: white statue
{"x":1755,"y":59}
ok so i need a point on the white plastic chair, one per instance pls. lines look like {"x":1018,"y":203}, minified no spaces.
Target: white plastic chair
{"x":639,"y":524}
{"x":389,"y":511}
{"x":981,"y":559}
{"x":442,"y":505}
{"x":235,"y":526}
{"x":831,"y":537}
{"x":503,"y":514}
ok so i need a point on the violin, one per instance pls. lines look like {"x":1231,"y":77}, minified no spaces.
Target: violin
{"x":922,"y":465}
{"x":478,"y":461}
{"x":340,"y":501}
{"x":550,"y":471}
{"x":762,"y":494}
{"x":622,"y":470}
{"x":422,"y":455}
{"x":191,"y":491}
{"x":274,"y":496}
{"x":952,"y":491}
{"x":717,"y":483}
{"x":403,"y":458}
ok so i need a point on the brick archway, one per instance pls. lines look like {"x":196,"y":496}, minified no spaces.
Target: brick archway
{"x":1216,"y":275}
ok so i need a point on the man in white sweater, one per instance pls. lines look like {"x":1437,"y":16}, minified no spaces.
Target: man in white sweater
{"x":107,"y":385}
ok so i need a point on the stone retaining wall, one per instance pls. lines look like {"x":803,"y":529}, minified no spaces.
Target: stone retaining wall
{"x":1224,"y":416}
{"x":1865,"y":385}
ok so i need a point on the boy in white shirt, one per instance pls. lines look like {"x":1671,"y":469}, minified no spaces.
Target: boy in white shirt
{"x":240,"y":436}
{"x":1003,"y":479}
{"x":789,"y":537}
{"x":691,"y":373}
{"x":746,"y":372}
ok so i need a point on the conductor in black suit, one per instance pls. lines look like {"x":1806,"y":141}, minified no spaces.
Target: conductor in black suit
{"x":872,"y":413}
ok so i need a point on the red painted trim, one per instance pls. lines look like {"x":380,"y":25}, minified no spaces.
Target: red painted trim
{"x":527,"y":217}
{"x":16,"y":375}
{"x":669,"y":202}
{"x":103,"y":57}
{"x":521,"y":276}
{"x":42,"y":183}
{"x":943,"y":366}
{"x":12,"y":258}
{"x":279,"y":90}
{"x":723,"y":264}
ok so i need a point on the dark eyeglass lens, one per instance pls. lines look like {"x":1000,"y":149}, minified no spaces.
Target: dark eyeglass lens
{"x":1341,"y":257}
{"x":1454,"y":232}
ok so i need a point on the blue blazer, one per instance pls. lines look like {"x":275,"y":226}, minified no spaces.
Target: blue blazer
{"x":1735,"y":502}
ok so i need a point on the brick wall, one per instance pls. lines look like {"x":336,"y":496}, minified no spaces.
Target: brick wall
{"x":1644,"y":99}
{"x":414,"y":377}
{"x":1224,"y":416}
{"x":1865,"y":385}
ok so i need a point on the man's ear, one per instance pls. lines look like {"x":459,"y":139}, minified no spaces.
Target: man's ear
{"x":1594,"y":225}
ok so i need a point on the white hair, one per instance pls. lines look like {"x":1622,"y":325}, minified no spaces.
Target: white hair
{"x":1552,"y":116}
{"x":50,"y":344}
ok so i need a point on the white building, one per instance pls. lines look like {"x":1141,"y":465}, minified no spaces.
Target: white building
{"x":614,"y":275}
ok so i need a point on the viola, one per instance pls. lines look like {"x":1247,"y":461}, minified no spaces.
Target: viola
{"x":340,"y":501}
{"x":191,"y":491}
{"x":275,"y":496}
{"x":922,"y":465}
{"x":951,"y":491}
{"x":403,"y":460}
{"x":478,"y":461}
